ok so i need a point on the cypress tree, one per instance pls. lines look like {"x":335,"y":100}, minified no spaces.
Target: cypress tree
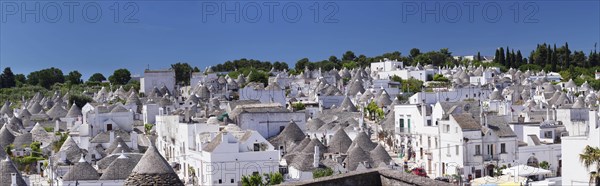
{"x":567,"y":54}
{"x":554,"y":60}
{"x":501,"y":59}
{"x":548,"y":56}
{"x":497,"y":56}
{"x":508,"y":58}
{"x":519,"y":59}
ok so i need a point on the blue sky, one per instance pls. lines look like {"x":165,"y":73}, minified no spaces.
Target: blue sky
{"x":190,"y":31}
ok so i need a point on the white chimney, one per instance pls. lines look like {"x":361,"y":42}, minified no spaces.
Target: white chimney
{"x":111,"y":136}
{"x":424,"y":111}
{"x":134,"y":141}
{"x":547,"y":114}
{"x":56,"y":126}
{"x":13,"y":179}
{"x":316,"y":157}
{"x":554,"y":116}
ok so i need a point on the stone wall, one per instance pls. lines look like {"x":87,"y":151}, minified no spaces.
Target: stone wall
{"x":382,"y":176}
{"x":369,"y":177}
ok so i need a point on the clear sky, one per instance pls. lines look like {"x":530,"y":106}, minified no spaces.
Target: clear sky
{"x":84,"y":36}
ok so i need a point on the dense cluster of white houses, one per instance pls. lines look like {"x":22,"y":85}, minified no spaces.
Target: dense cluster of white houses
{"x":222,"y":128}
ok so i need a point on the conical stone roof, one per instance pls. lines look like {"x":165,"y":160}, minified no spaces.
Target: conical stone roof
{"x":314,"y":124}
{"x":291,"y":134}
{"x":6,"y":137}
{"x":82,"y":170}
{"x":121,"y":149}
{"x":363,"y":141}
{"x":347,"y":105}
{"x":380,"y":155}
{"x":74,"y":112}
{"x":153,"y":169}
{"x":7,"y":168}
{"x":57,"y":112}
{"x":115,"y":144}
{"x":356,"y":156}
{"x":310,"y":148}
{"x":300,"y":146}
{"x":340,"y":142}
{"x":24,"y":113}
{"x":6,"y":109}
{"x":120,"y":168}
{"x":35,"y":107}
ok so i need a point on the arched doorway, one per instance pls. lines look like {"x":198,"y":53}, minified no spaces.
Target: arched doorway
{"x":533,"y":161}
{"x":489,"y":169}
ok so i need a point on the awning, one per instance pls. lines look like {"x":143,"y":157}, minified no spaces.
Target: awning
{"x":525,"y":171}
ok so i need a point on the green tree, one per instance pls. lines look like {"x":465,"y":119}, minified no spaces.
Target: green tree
{"x":501,"y":58}
{"x":440,"y":77}
{"x":334,"y":59}
{"x":148,"y":128}
{"x":591,"y":158}
{"x":508,"y":62}
{"x":412,"y":85}
{"x":414,"y":52}
{"x":532,"y":67}
{"x":348,"y":56}
{"x":8,"y":78}
{"x":79,"y":99}
{"x":62,"y":137}
{"x":349,"y":65}
{"x":120,"y":77}
{"x":579,"y":59}
{"x":362,"y":60}
{"x":566,"y":55}
{"x":20,"y":79}
{"x":446,"y":52}
{"x":253,"y":180}
{"x":519,"y":60}
{"x":46,"y":77}
{"x":259,"y":77}
{"x":74,"y":77}
{"x":280,"y":66}
{"x":320,"y":172}
{"x":301,"y":64}
{"x":298,"y":106}
{"x":372,"y":110}
{"x":183,"y":73}
{"x":497,"y":56}
{"x":544,"y":165}
{"x":97,"y":77}
{"x":275,"y":178}
{"x":396,"y":78}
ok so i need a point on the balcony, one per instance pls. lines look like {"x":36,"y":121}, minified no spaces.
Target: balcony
{"x":504,"y":157}
{"x":488,"y":157}
{"x":402,"y":130}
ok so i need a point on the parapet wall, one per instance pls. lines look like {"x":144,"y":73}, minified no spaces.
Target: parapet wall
{"x":382,"y":176}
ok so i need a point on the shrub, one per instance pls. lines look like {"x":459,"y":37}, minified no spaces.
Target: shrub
{"x":317,"y":173}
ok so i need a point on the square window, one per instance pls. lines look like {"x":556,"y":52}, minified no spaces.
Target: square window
{"x":256,"y":147}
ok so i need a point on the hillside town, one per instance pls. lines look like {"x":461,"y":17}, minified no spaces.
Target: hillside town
{"x":465,"y":125}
